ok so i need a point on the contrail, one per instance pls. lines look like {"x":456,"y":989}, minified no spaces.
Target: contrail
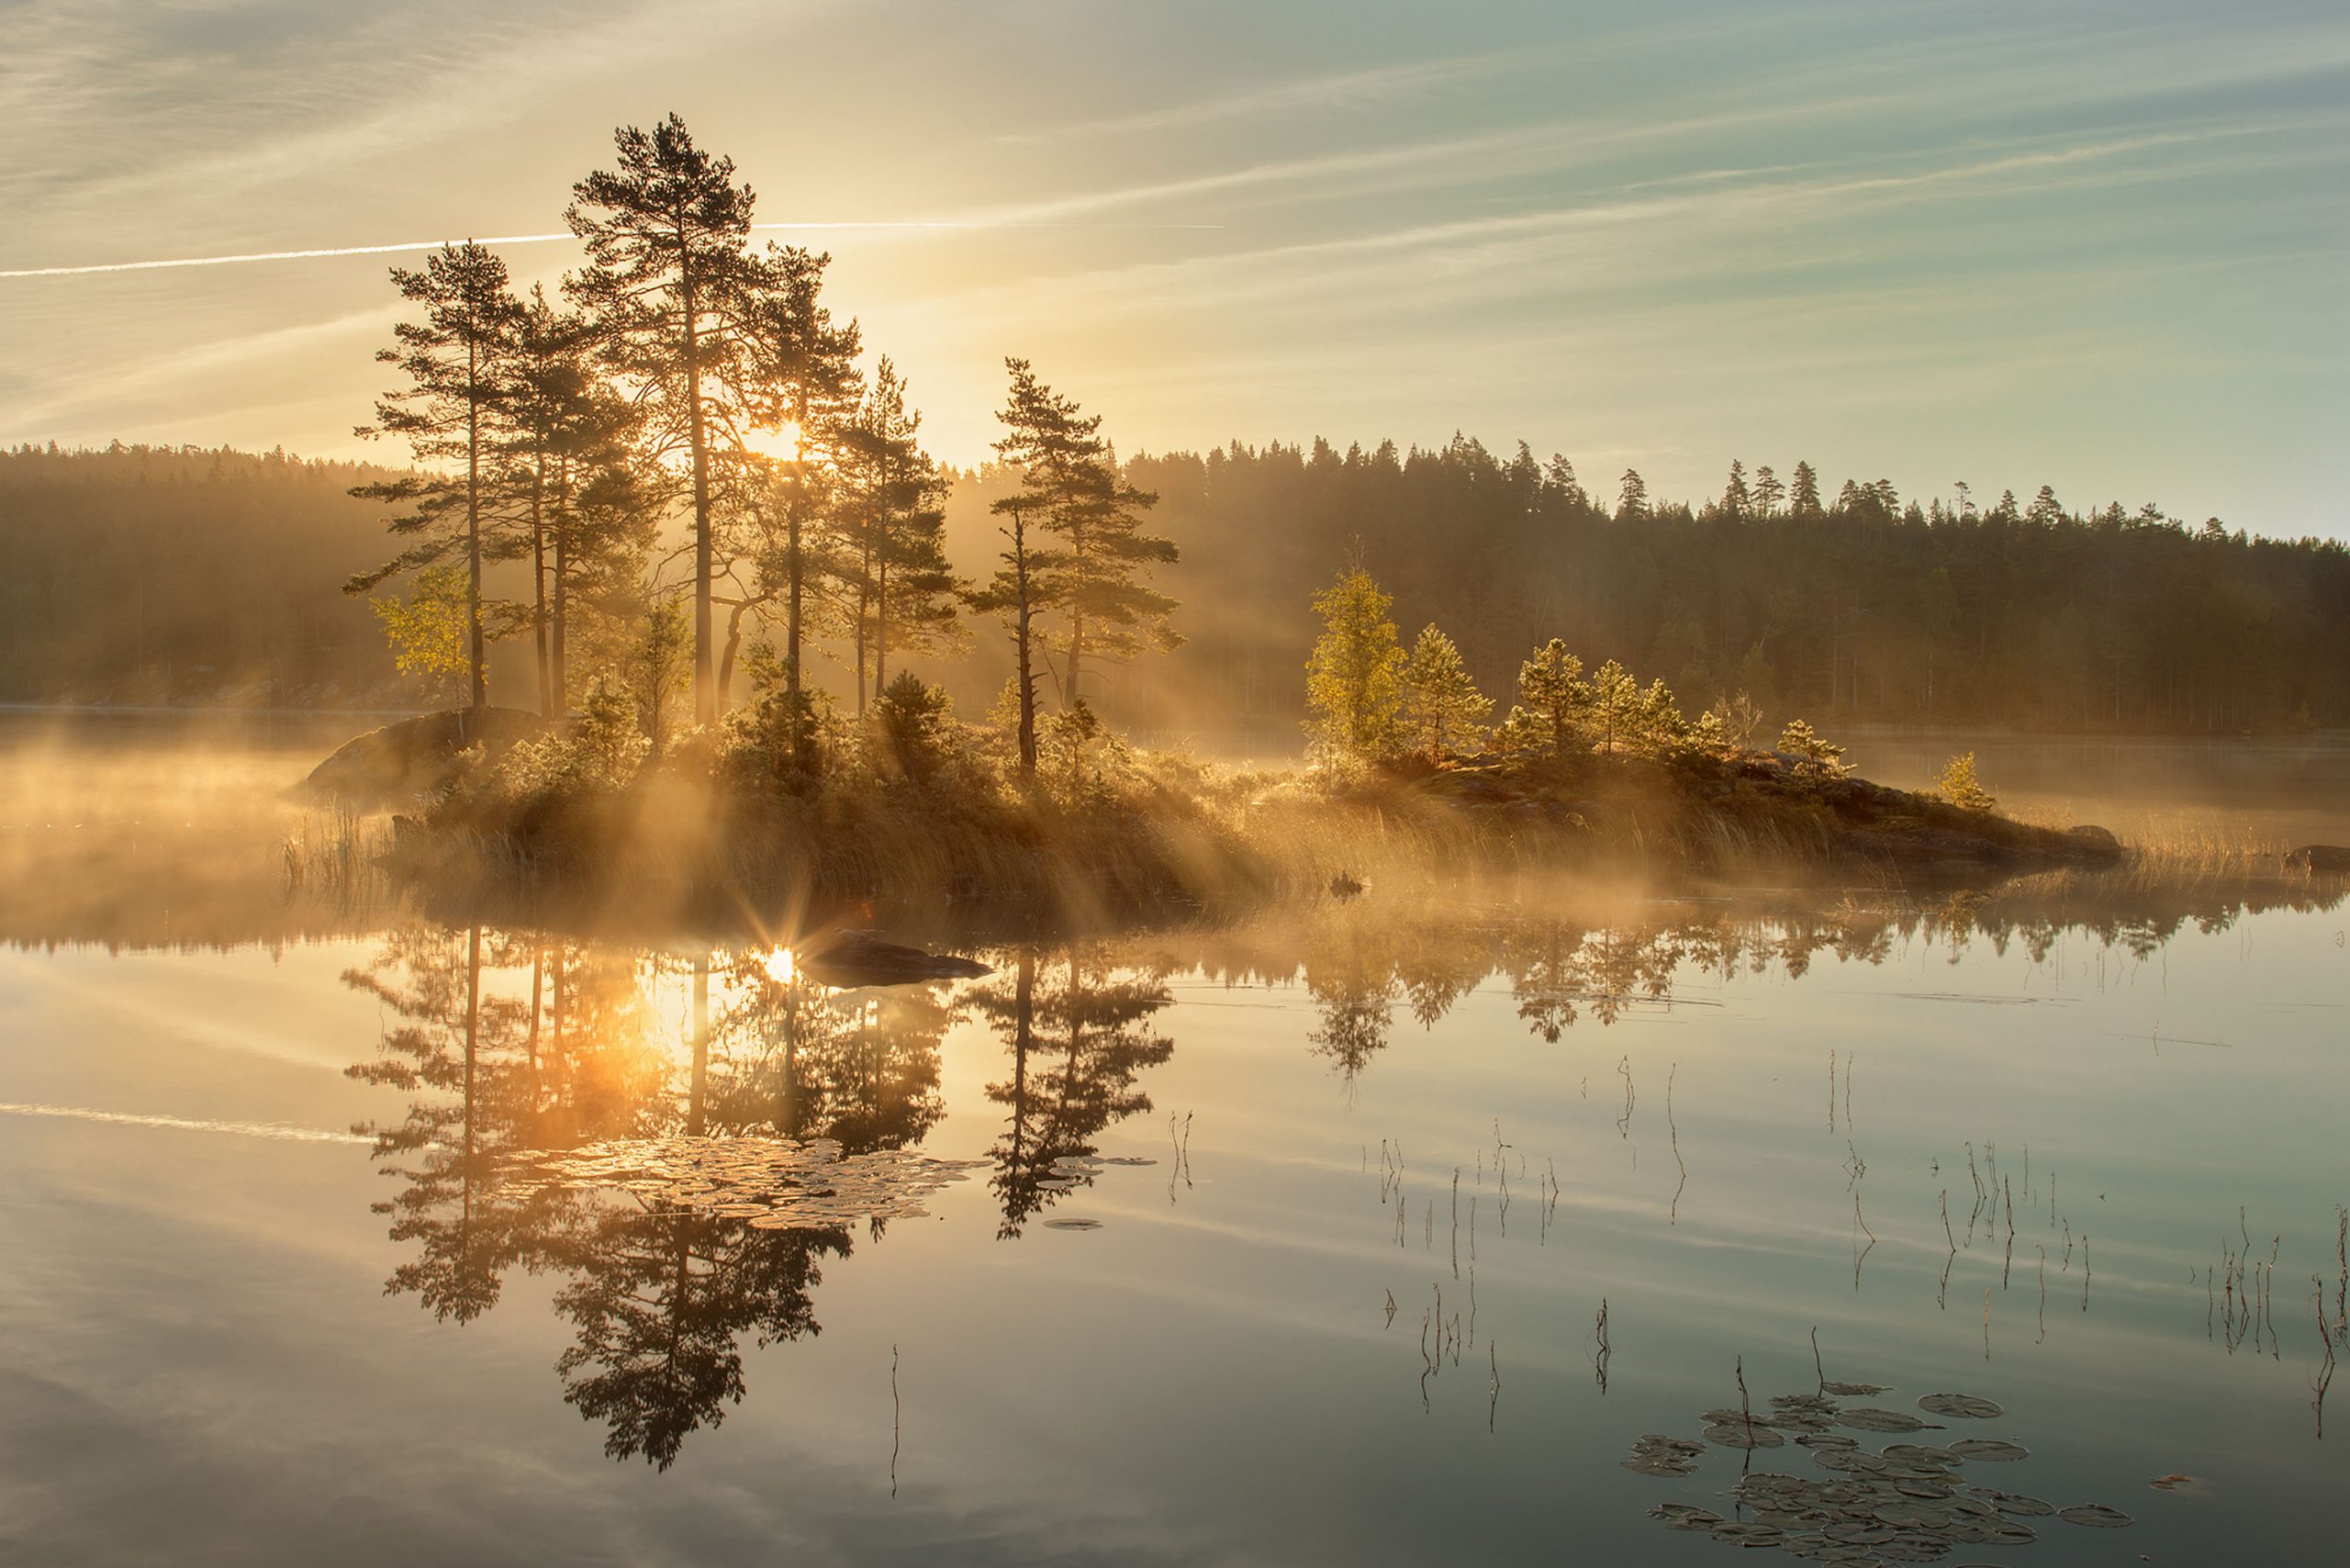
{"x":405,"y":245}
{"x":243,"y":1129}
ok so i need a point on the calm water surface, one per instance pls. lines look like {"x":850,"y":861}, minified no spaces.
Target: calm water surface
{"x":379,"y":1241}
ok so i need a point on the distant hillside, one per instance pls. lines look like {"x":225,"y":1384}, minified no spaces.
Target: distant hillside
{"x":152,"y":574}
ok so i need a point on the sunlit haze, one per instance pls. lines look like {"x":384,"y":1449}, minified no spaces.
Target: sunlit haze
{"x":2097,"y":246}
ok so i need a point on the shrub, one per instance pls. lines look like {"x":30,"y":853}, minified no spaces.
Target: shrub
{"x":1812,"y":753}
{"x":1957,"y":784}
{"x":600,"y":750}
{"x":910,"y":727}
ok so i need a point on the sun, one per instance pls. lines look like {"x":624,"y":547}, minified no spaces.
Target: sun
{"x":782,"y":444}
{"x":779,"y":966}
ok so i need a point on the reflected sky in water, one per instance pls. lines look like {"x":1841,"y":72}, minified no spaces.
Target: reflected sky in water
{"x":483,"y":1243}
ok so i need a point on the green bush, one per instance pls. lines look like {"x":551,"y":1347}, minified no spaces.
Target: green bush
{"x":1957,"y":784}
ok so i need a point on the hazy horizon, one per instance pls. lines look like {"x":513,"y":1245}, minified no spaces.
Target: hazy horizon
{"x":2101,"y":253}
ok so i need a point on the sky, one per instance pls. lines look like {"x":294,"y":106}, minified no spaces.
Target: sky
{"x":2098,"y":246}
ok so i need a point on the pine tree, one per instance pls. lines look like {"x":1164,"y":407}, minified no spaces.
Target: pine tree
{"x":1042,"y":432}
{"x":1632,"y":499}
{"x":1737,"y":500}
{"x":1103,"y":563}
{"x":1354,"y":679}
{"x":1114,"y":613}
{"x":1441,"y":711}
{"x":1768,"y":492}
{"x":800,"y":379}
{"x":2045,"y":512}
{"x":666,"y":234}
{"x":1812,"y":753}
{"x":457,"y":361}
{"x":1803,"y":492}
{"x":1615,"y":706}
{"x":1553,"y":703}
{"x":1660,"y":729}
{"x":560,"y":416}
{"x":1958,"y":784}
{"x":1561,"y":476}
{"x":904,"y":592}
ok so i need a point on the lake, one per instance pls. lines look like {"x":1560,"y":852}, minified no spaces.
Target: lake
{"x":1377,"y":1231}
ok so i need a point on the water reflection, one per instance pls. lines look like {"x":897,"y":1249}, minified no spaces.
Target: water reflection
{"x":1079,"y":1029}
{"x":564,"y":1134}
{"x":679,"y":1140}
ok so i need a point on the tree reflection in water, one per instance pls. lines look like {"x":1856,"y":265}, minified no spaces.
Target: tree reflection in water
{"x":513,"y":1048}
{"x":1078,"y":1029}
{"x":660,"y":1288}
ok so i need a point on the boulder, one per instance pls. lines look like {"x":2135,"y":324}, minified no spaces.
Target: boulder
{"x":848,"y":958}
{"x":2320,"y":857}
{"x":2094,"y":837}
{"x":419,"y":756}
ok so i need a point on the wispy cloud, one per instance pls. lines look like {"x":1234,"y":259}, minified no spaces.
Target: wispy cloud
{"x":1299,"y":95}
{"x":397,"y":247}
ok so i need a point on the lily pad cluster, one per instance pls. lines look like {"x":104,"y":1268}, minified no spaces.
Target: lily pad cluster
{"x":773,"y":1184}
{"x":1904,"y":1503}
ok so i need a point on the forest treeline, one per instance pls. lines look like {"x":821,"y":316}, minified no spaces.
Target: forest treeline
{"x":1850,"y":605}
{"x":173,"y":574}
{"x":146,"y":574}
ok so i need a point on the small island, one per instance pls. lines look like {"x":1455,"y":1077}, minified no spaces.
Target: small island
{"x":707,"y":489}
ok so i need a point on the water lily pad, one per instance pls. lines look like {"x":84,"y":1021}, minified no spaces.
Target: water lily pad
{"x":2015,"y":1505}
{"x":1744,"y":1436}
{"x":1828,"y":1440}
{"x":1656,"y":1454}
{"x":1921,"y":1452}
{"x":1802,"y":1402}
{"x":1748,"y":1535}
{"x":1854,"y":1390}
{"x":1685,"y":1516}
{"x":1850,"y":1460}
{"x":1995,"y":1448}
{"x":1868,"y":1420}
{"x":2096,"y":1514}
{"x":1072,"y":1224}
{"x":1967,"y":1405}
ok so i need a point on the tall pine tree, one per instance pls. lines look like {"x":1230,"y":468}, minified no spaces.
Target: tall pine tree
{"x":1442,"y":711}
{"x":666,"y":234}
{"x":457,"y":361}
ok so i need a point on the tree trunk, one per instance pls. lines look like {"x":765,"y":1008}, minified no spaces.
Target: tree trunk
{"x":557,"y":673}
{"x":477,"y":658}
{"x":880,"y":627}
{"x":734,"y":645}
{"x":1021,"y":639}
{"x":539,"y":584}
{"x":705,"y":692}
{"x":795,"y":568}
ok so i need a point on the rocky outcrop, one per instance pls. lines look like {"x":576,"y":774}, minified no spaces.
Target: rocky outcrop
{"x":421,"y":757}
{"x":2314,"y":858}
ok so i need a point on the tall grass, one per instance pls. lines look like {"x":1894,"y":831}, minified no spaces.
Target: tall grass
{"x":335,"y":855}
